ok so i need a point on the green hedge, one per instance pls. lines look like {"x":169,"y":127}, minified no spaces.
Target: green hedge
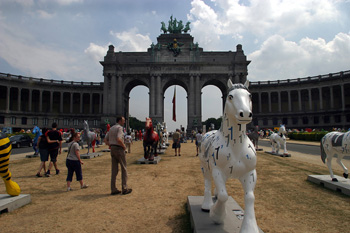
{"x":17,"y":133}
{"x":305,"y":136}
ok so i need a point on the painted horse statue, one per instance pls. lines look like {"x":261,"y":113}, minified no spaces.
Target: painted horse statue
{"x":335,"y":143}
{"x":89,"y":137}
{"x":254,"y":137}
{"x":276,"y":139}
{"x":150,"y":141}
{"x":12,"y":188}
{"x":37,"y":133}
{"x":229,"y":153}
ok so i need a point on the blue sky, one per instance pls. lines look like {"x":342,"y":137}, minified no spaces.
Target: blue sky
{"x":66,"y":39}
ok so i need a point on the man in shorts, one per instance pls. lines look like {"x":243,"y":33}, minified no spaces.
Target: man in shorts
{"x":54,"y":139}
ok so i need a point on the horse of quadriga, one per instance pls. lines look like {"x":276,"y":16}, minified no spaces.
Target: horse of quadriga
{"x":229,"y":153}
{"x":335,"y":143}
{"x":276,"y":139}
{"x":89,"y":137}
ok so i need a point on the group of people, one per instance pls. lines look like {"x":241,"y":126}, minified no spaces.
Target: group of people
{"x":50,"y":145}
{"x":177,"y":141}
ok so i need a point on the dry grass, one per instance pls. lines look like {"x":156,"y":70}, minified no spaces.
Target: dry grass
{"x":285,"y":201}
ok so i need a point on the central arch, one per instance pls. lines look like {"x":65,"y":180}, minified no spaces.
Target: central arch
{"x":160,"y":67}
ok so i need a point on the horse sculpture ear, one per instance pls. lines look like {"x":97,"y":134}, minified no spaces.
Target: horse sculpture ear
{"x":246,"y":84}
{"x":229,"y":83}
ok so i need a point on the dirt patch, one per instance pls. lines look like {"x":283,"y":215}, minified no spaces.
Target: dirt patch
{"x":285,"y":200}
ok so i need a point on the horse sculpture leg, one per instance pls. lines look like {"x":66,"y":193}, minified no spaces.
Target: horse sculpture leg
{"x":208,"y":200}
{"x":329,"y":165}
{"x":248,"y":182}
{"x":218,"y":210}
{"x":285,"y":146}
{"x":346,"y":172}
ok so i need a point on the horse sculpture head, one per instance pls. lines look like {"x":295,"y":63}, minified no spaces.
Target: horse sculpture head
{"x":36,"y":131}
{"x":282,"y":130}
{"x":149,"y":124}
{"x":238,"y":104}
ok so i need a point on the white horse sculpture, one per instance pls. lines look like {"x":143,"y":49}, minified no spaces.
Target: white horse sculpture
{"x":276,"y":139}
{"x":89,"y":137}
{"x":335,"y":143}
{"x":229,"y":153}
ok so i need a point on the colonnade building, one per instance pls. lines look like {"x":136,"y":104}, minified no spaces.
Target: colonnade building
{"x":175,"y":59}
{"x":312,"y":102}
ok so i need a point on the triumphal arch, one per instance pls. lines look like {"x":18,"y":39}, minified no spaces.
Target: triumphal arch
{"x":174,"y":60}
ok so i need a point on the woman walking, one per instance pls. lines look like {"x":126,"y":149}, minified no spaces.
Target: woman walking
{"x":73,"y":162}
{"x":44,"y":152}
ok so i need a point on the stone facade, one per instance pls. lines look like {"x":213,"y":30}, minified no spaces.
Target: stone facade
{"x":315,"y":102}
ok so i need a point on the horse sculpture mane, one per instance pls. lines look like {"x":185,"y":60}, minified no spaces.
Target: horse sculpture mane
{"x":228,"y":153}
{"x":150,"y":141}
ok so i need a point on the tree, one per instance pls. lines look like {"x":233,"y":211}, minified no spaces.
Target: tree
{"x":135,"y":123}
{"x":216,"y":122}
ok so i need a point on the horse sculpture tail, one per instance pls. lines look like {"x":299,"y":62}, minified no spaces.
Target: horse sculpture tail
{"x":323,"y":152}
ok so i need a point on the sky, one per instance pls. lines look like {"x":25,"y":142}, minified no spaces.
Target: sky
{"x":66,"y":39}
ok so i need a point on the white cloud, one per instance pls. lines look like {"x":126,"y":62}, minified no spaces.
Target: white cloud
{"x":259,"y":18}
{"x":285,"y":59}
{"x":63,"y":2}
{"x":44,"y":15}
{"x":132,"y":41}
{"x":96,"y":52}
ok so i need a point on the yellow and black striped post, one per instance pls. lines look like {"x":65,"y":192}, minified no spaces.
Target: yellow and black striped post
{"x":12,"y":188}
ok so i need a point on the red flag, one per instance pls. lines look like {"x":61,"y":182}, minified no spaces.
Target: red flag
{"x":174,"y":105}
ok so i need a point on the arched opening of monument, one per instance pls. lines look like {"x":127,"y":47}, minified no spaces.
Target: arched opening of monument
{"x":139,"y":102}
{"x":180,"y":108}
{"x":212,"y":104}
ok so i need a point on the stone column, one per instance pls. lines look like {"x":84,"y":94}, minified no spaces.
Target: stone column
{"x":342,"y":97}
{"x":61,"y":102}
{"x":198,"y":99}
{"x":332,"y":98}
{"x":30,"y":100}
{"x":40,"y":100}
{"x":236,"y":78}
{"x":19,"y":99}
{"x":191,"y":97}
{"x":299,"y":99}
{"x":81,"y":102}
{"x":71,"y":102}
{"x":279,"y":101}
{"x":259,"y":95}
{"x":320,"y":96}
{"x":159,"y":97}
{"x":152,"y":111}
{"x":120,"y":95}
{"x":289,"y":102}
{"x":310,"y":99}
{"x":113,"y":98}
{"x":105,"y":94}
{"x":269,"y":100}
{"x":8,"y":99}
{"x":91,"y":105}
{"x":51,"y":101}
{"x":100,"y":106}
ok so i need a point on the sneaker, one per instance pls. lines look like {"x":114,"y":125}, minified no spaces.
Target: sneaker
{"x":69,"y":189}
{"x":38,"y":175}
{"x":47,"y":174}
{"x":116,"y":192}
{"x":57,"y":172}
{"x":84,"y":186}
{"x":126,"y":191}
